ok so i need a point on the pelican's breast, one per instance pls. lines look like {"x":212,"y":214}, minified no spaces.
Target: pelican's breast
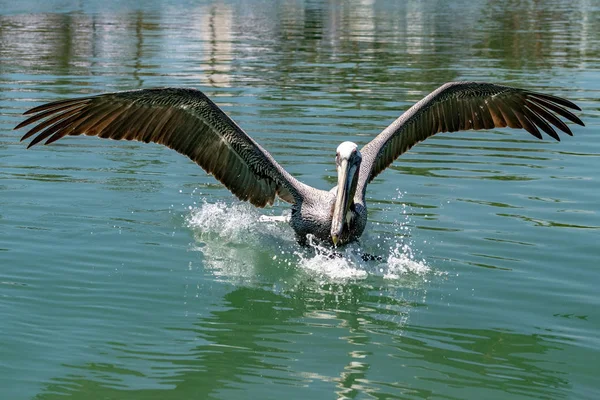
{"x":313,"y":216}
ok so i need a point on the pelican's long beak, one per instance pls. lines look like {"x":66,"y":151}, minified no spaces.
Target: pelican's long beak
{"x":342,"y":199}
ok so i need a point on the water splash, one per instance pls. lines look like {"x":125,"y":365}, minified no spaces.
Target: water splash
{"x":239,"y":244}
{"x":329,"y":263}
{"x":238,"y":222}
{"x":234,"y":242}
{"x":401,"y":261}
{"x":352,"y":263}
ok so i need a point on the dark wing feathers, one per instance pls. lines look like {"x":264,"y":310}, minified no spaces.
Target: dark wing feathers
{"x":458,"y":106}
{"x":182,"y":119}
{"x":190,"y":123}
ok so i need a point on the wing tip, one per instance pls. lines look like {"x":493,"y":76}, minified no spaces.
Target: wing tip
{"x":578,"y":121}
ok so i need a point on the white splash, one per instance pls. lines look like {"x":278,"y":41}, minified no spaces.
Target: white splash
{"x":238,"y":243}
{"x":234,"y":242}
{"x":327,"y":263}
{"x":220,"y":219}
{"x":238,"y":222}
{"x":401,"y":262}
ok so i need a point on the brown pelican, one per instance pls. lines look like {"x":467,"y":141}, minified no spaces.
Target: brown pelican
{"x":187,"y":121}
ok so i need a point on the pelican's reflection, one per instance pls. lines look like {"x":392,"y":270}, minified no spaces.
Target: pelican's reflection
{"x":348,"y":339}
{"x":254,"y":335}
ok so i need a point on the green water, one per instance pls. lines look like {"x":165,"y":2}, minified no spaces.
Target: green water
{"x":127,"y":272}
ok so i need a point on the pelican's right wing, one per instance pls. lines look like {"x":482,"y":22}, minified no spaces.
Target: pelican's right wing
{"x":185,"y":120}
{"x":459,"y":106}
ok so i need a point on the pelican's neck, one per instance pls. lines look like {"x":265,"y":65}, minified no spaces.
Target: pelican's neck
{"x":348,"y":165}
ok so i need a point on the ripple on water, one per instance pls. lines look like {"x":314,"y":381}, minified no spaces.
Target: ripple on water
{"x":236,"y":243}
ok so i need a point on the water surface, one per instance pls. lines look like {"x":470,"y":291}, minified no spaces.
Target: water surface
{"x":127,"y":272}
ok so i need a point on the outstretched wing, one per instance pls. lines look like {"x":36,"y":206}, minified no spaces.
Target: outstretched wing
{"x":459,"y":106}
{"x":184,"y":120}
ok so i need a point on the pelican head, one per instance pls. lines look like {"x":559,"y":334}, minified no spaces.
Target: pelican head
{"x":347,"y":161}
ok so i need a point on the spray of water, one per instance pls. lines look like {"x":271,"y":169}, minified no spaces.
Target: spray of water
{"x":237,"y":242}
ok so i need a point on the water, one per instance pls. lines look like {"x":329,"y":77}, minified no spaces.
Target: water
{"x":127,"y":272}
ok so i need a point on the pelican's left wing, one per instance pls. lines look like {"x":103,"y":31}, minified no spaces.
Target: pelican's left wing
{"x":459,"y":106}
{"x":184,"y":120}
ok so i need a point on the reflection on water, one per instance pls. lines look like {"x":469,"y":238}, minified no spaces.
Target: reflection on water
{"x":479,"y":357}
{"x":220,"y":40}
{"x":126,"y":271}
{"x":331,"y":340}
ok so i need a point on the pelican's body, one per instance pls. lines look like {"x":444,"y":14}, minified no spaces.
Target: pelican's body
{"x":314,"y":217}
{"x":190,"y":123}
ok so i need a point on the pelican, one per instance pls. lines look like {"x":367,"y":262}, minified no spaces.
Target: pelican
{"x":187,"y":121}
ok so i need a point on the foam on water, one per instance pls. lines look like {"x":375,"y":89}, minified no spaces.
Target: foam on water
{"x":237,"y":242}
